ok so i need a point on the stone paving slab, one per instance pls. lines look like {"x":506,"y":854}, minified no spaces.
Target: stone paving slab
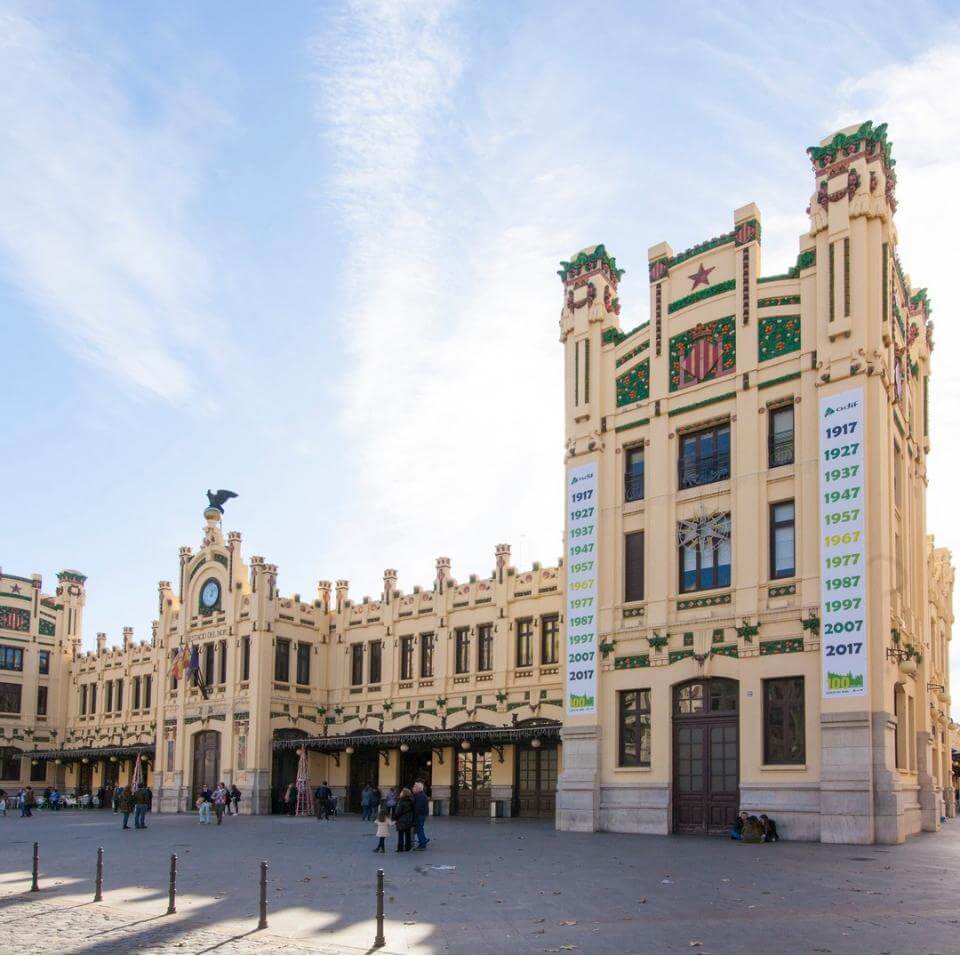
{"x":497,"y":886}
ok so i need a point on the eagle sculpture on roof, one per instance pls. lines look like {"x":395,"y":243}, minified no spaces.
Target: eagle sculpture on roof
{"x":218,"y":498}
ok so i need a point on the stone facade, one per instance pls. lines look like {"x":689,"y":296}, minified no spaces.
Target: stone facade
{"x":724,"y":430}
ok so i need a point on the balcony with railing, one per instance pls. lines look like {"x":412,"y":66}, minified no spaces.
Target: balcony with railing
{"x":693,"y":471}
{"x":780,"y":449}
{"x":633,"y":486}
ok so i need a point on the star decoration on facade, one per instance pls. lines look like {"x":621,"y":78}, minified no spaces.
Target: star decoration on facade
{"x":701,"y":276}
{"x":15,"y":588}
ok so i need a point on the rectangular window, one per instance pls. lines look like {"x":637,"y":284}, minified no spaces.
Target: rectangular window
{"x":10,"y":698}
{"x":119,"y":696}
{"x":108,"y":696}
{"x":586,"y":371}
{"x":406,"y":658}
{"x":549,"y":639}
{"x":832,"y":280}
{"x":147,"y":691}
{"x":784,"y":725}
{"x":376,"y":662}
{"x":846,"y":276}
{"x":137,"y":685}
{"x":885,"y":283}
{"x":780,"y":436}
{"x":426,"y":655}
{"x":897,"y":486}
{"x":525,"y":642}
{"x":356,"y":665}
{"x":704,"y":456}
{"x":83,"y":700}
{"x":485,"y":647}
{"x":245,"y":661}
{"x":38,"y":773}
{"x":462,"y":645}
{"x":11,"y":658}
{"x":634,"y":728}
{"x":576,"y":373}
{"x":171,"y":745}
{"x":93,"y":698}
{"x":281,"y":662}
{"x":9,"y":764}
{"x":43,"y":662}
{"x":705,"y":559}
{"x":782,"y":540}
{"x":41,"y":701}
{"x":209,"y":671}
{"x":633,"y":566}
{"x":633,"y":474}
{"x":303,"y":663}
{"x":222,"y":674}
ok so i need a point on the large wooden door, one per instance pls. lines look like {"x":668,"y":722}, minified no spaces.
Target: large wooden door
{"x":536,"y":785}
{"x":206,"y":762}
{"x":364,"y":769}
{"x":706,"y":762}
{"x":85,"y":782}
{"x":472,"y":792}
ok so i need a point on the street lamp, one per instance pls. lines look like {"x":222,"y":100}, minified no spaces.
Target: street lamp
{"x":348,"y":750}
{"x":535,"y":743}
{"x":464,"y":744}
{"x":404,"y":748}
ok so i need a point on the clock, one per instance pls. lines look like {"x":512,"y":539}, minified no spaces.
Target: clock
{"x":210,"y":594}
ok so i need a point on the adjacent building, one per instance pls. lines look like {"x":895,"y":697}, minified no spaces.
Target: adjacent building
{"x":749,"y":613}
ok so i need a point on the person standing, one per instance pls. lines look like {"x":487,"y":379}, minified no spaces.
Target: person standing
{"x":235,"y":799}
{"x":26,"y":802}
{"x":383,"y":831}
{"x":117,"y":793}
{"x":390,"y":801}
{"x":204,"y":803}
{"x":3,"y":803}
{"x":404,"y":820}
{"x":220,"y":798}
{"x":126,"y":806}
{"x":321,"y":799}
{"x":149,"y":798}
{"x":141,"y":801}
{"x":421,"y":810}
{"x":365,"y":802}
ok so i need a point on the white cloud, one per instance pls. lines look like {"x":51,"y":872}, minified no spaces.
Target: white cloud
{"x":919,"y":101}
{"x":94,"y":207}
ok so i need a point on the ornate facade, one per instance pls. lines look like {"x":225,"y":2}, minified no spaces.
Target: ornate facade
{"x":768,"y":617}
{"x":749,"y":613}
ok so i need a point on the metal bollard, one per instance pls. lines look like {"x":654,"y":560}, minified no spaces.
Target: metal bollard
{"x":36,"y":868}
{"x":263,"y":895}
{"x":98,"y":889}
{"x":172,"y":900}
{"x":379,"y":941}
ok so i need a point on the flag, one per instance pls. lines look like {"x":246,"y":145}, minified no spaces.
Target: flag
{"x":180,"y":659}
{"x":193,"y":668}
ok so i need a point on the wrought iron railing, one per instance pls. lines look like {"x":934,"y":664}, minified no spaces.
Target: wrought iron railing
{"x":780,"y":449}
{"x":704,"y":471}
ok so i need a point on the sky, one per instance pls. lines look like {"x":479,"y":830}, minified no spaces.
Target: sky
{"x":308,"y":252}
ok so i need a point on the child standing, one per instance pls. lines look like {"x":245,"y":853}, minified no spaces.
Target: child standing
{"x":383,"y":830}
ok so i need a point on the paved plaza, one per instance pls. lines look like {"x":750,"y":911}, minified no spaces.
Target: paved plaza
{"x":496,"y":886}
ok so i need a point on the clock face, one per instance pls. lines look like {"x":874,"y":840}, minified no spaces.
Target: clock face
{"x":210,"y":594}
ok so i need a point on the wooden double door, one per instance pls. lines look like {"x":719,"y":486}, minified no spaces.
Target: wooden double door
{"x":472,"y":791}
{"x":706,"y":756}
{"x":535,"y":793}
{"x":206,"y":762}
{"x":364,"y":769}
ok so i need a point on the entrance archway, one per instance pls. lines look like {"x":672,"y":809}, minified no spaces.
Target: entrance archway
{"x":706,"y":755}
{"x":206,"y":761}
{"x":284,"y":767}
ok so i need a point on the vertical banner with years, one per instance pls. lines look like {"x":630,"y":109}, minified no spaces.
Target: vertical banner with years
{"x":581,"y":522}
{"x":843,"y":618}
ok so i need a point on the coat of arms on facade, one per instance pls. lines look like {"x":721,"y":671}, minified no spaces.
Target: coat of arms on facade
{"x":706,"y":351}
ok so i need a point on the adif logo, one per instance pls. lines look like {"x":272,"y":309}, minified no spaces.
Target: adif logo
{"x":842,"y":408}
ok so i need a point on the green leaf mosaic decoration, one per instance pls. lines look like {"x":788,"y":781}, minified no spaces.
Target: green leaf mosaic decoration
{"x":642,"y":347}
{"x":727,"y":650}
{"x":634,"y":384}
{"x":628,"y":663}
{"x":805,"y":260}
{"x":723,"y":330}
{"x":776,"y":300}
{"x":679,"y":655}
{"x":871,"y":137}
{"x":589,"y":259}
{"x":789,"y":645}
{"x":778,"y":335}
{"x":727,"y":286}
{"x":696,"y":603}
{"x":47,"y":628}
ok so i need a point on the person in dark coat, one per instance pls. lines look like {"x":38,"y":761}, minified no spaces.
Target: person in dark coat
{"x":126,"y":806}
{"x":321,"y":798}
{"x":770,"y":834}
{"x":421,"y":810}
{"x":404,"y":820}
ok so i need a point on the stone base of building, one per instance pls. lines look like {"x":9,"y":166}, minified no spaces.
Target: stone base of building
{"x":578,"y":784}
{"x":634,"y":808}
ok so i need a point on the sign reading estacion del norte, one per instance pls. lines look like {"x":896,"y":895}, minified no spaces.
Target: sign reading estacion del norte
{"x":582,"y":512}
{"x":843,"y":619}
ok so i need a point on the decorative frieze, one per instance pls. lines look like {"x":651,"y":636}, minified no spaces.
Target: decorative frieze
{"x":631,"y":661}
{"x":634,"y":384}
{"x":778,"y":335}
{"x":695,"y":603}
{"x":693,"y":298}
{"x":782,"y":590}
{"x":788,"y":645}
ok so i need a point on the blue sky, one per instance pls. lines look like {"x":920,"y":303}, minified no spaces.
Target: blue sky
{"x":307,"y":251}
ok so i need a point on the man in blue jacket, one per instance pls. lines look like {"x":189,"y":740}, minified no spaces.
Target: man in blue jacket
{"x":421,"y":810}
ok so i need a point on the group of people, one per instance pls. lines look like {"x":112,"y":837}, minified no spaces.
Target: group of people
{"x":137,"y":802}
{"x":219,"y":801}
{"x":405,"y":811}
{"x":752,"y":829}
